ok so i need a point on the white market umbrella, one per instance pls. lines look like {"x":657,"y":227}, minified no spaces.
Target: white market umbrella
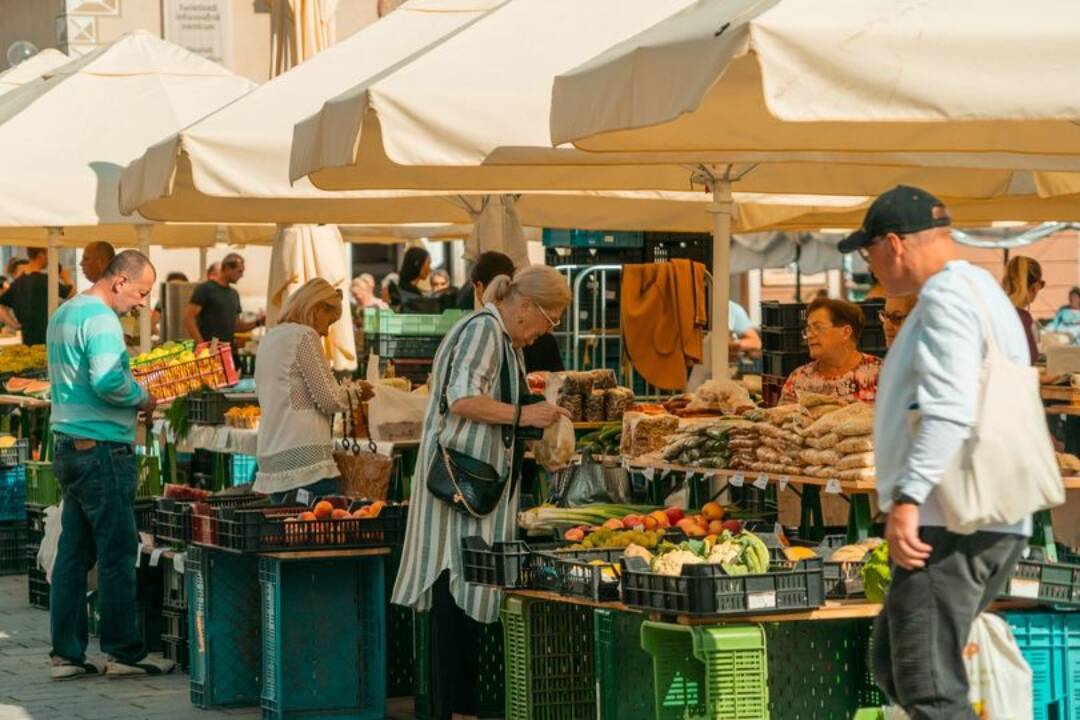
{"x":31,"y":69}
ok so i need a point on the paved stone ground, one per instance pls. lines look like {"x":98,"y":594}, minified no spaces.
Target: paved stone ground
{"x":27,"y":693}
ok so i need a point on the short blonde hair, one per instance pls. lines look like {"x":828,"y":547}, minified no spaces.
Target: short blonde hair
{"x":544,"y":285}
{"x":301,"y":305}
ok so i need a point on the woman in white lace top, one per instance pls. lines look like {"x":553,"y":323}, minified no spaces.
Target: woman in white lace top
{"x":299,"y":396}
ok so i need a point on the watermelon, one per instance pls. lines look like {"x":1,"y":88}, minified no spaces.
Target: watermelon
{"x":17,"y":385}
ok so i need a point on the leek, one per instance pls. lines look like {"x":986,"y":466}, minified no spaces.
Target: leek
{"x":549,"y":517}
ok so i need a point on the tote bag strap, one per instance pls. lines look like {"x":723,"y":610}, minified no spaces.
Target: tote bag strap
{"x":984,"y":318}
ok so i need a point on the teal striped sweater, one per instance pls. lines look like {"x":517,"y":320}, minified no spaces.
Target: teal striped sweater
{"x":94,"y":394}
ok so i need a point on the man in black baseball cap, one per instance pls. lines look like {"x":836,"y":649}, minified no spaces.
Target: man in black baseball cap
{"x":942,"y":580}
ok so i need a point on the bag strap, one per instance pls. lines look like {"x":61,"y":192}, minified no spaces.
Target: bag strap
{"x":984,"y":317}
{"x":504,"y":379}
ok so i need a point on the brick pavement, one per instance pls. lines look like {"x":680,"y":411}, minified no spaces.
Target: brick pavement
{"x":27,"y":693}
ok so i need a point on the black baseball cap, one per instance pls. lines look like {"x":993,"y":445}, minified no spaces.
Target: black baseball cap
{"x":904,"y":209}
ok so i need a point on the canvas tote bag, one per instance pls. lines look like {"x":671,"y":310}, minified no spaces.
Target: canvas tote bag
{"x":1007,"y":469}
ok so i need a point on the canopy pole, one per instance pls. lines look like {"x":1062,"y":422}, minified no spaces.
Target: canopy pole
{"x":204,"y":256}
{"x":53,"y":258}
{"x":142,"y":233}
{"x":722,"y":210}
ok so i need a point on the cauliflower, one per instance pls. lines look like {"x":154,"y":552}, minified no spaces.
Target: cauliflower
{"x":633,"y":550}
{"x":672,"y":563}
{"x":724,"y":553}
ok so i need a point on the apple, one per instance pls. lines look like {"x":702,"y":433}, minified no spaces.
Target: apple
{"x":650,"y":522}
{"x":574,"y":535}
{"x":716,"y":527}
{"x":733,"y":526}
{"x":613,"y":524}
{"x":674,"y":515}
{"x":661,"y":518}
{"x":632,"y":521}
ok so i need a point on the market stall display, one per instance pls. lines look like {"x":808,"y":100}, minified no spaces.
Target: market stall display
{"x":177,"y":369}
{"x":592,"y":396}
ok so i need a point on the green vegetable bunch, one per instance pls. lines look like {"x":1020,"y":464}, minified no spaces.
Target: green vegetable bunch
{"x":876,"y":574}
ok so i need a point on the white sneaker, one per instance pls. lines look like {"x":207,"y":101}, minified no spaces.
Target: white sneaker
{"x":149,"y":665}
{"x":63,"y":669}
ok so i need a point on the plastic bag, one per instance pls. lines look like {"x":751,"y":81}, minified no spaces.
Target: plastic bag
{"x":394,"y":415}
{"x":557,"y":446}
{"x":999,"y":679}
{"x":46,"y":555}
{"x":587,"y":483}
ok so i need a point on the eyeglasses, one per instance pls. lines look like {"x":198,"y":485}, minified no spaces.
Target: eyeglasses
{"x":553,"y":323}
{"x":892,"y":318}
{"x":816,"y":329}
{"x":864,"y":252}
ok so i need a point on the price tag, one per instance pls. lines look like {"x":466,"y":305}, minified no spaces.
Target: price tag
{"x":159,"y":426}
{"x":1024,"y":588}
{"x":649,"y":473}
{"x":138,"y":555}
{"x":155,"y":556}
{"x":303,"y":496}
{"x":737,"y":480}
{"x":178,"y":562}
{"x":761,"y":600}
{"x":833,"y":487}
{"x":221,"y":438}
{"x":761,"y":481}
{"x":783,"y":482}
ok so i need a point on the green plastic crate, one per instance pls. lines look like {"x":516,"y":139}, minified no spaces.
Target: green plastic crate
{"x":490,"y":688}
{"x":549,"y":660}
{"x":711,"y":673}
{"x":624,"y":674}
{"x":41,"y":485}
{"x":387,"y":322}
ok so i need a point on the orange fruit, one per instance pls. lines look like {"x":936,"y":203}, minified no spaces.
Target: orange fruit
{"x":323,"y":509}
{"x":339,"y":513}
{"x":362,"y":513}
{"x":650,"y":522}
{"x":713,"y":511}
{"x":307,"y":516}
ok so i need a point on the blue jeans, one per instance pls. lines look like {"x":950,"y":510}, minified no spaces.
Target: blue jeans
{"x":98,"y":482}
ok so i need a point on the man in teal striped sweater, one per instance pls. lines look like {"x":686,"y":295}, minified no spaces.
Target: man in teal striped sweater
{"x":95,"y":406}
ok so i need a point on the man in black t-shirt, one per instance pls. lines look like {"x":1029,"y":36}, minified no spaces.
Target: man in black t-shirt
{"x":25,"y":305}
{"x":214,"y":308}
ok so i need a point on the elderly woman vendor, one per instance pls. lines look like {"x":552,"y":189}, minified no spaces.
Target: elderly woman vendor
{"x":839,"y":370}
{"x":481,"y":403}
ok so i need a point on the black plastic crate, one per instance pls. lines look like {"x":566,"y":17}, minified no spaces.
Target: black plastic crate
{"x":577,"y":572}
{"x":844,"y":579}
{"x":1052,"y":583}
{"x":13,"y":549}
{"x":144,"y":516}
{"x":870,"y":309}
{"x":502,"y":564}
{"x":173,"y":591}
{"x":783,"y":315}
{"x":177,"y":651}
{"x":557,"y":257}
{"x":873,"y":341}
{"x":38,"y":586}
{"x":174,"y":625}
{"x":35,"y":523}
{"x":277,"y":530}
{"x":172,"y":517}
{"x":783,"y":364}
{"x":772,"y":387}
{"x":666,"y":246}
{"x":16,"y":454}
{"x":779,"y":339}
{"x":706,"y":589}
{"x":394,"y":347}
{"x":209,"y":407}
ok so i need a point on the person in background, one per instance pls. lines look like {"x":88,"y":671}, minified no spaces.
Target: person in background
{"x":25,"y":305}
{"x":894,"y":314}
{"x":16,"y":266}
{"x":95,"y":258}
{"x":469,"y":363}
{"x":1067,"y":319}
{"x":1022,"y":283}
{"x":440,"y":281}
{"x":747,"y":340}
{"x":839,"y":370}
{"x":299,"y":396}
{"x":543,"y":354}
{"x":95,"y":405}
{"x":363,"y":292}
{"x":213,"y":270}
{"x":941,"y":581}
{"x":214,"y":308}
{"x":384,"y":287}
{"x":415,"y":267}
{"x":155,"y":316}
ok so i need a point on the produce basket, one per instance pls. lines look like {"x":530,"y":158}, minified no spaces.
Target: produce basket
{"x":591,"y":574}
{"x":167,"y":378}
{"x":705,"y":589}
{"x":208,"y":407}
{"x":502,"y":564}
{"x":712,"y":673}
{"x":278,"y":530}
{"x":172,"y":517}
{"x":1053,"y":583}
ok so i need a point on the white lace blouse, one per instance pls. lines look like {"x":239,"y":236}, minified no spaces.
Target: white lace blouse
{"x":298,"y":397}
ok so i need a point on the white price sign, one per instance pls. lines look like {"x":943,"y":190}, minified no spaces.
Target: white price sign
{"x":761,"y":600}
{"x":783,"y":482}
{"x":649,"y":473}
{"x":178,"y":562}
{"x":1024,"y":588}
{"x":155,"y":556}
{"x":761,"y":481}
{"x":833,"y":487}
{"x":303,"y":496}
{"x":737,"y":480}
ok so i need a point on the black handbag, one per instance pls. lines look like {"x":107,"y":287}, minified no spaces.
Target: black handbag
{"x":470,"y":486}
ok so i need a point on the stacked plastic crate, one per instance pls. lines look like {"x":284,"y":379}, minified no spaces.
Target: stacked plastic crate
{"x":409,"y":341}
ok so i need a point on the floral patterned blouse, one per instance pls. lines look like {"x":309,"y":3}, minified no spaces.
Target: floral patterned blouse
{"x":859,"y":385}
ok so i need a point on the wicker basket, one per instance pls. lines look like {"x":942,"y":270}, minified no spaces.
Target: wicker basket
{"x":365,"y":474}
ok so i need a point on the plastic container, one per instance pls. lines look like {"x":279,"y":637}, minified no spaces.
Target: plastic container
{"x":786,"y":340}
{"x":172,"y":517}
{"x":562,"y":257}
{"x":225,"y":630}
{"x":490,"y":687}
{"x":395,"y":347}
{"x":38,"y":585}
{"x":177,"y":651}
{"x":16,"y":454}
{"x":717,"y":673}
{"x":303,"y":660}
{"x":501,"y":564}
{"x":41,"y":485}
{"x":278,"y":530}
{"x":173,"y":588}
{"x":663,"y":247}
{"x":1053,"y":583}
{"x":13,"y":549}
{"x":12,"y":493}
{"x":783,"y":363}
{"x":209,"y":407}
{"x":400,"y":660}
{"x":704,"y":589}
{"x":35,"y":525}
{"x":624,"y":673}
{"x":243,"y":469}
{"x":387,"y":322}
{"x":144,"y":516}
{"x":783,"y":315}
{"x":168,"y":381}
{"x":1050,"y":642}
{"x":549,"y":660}
{"x":573,"y":572}
{"x":556,"y":237}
